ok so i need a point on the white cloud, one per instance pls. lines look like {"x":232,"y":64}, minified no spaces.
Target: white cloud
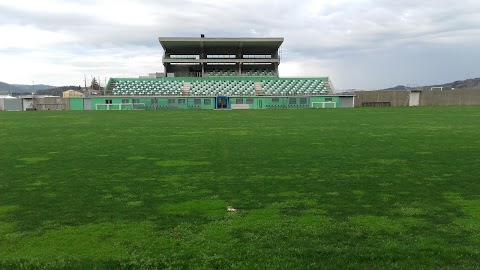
{"x":17,"y":36}
{"x":128,"y":13}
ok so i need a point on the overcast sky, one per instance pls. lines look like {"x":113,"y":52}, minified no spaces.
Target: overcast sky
{"x":357,"y":43}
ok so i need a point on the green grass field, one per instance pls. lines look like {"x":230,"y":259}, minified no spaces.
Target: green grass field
{"x":389,"y":188}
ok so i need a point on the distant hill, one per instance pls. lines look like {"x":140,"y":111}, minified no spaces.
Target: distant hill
{"x":396,"y":88}
{"x":5,"y":87}
{"x":36,"y":87}
{"x":40,"y":89}
{"x":22,"y":88}
{"x":468,"y":83}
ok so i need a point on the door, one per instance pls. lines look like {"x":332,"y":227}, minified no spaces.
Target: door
{"x":347,"y":102}
{"x":221,"y":102}
{"x":414,"y":99}
{"x":87,"y":104}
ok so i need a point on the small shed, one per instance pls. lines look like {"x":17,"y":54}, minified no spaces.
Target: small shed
{"x":72,"y":93}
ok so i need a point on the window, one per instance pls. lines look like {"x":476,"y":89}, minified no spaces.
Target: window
{"x":197,"y":101}
{"x":328,"y":99}
{"x":207,"y":101}
{"x":249,"y":100}
{"x":181,"y":101}
{"x":276,"y":99}
{"x":220,"y":56}
{"x":135,"y":101}
{"x":125,"y":101}
{"x":303,"y":100}
{"x":188,"y":56}
{"x":171,"y":101}
{"x":239,"y":101}
{"x":108,"y":101}
{"x":292,"y":101}
{"x":185,"y":64}
{"x":154,"y":101}
{"x":257,"y":56}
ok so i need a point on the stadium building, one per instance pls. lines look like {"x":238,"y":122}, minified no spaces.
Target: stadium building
{"x":216,"y":73}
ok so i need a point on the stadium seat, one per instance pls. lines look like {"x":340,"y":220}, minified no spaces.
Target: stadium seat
{"x":293,"y":87}
{"x":215,"y":88}
{"x":138,"y":87}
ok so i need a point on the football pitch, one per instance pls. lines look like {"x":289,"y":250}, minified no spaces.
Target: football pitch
{"x":363,"y":188}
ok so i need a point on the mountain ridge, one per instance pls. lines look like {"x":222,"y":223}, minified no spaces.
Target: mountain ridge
{"x":459,"y":84}
{"x":23,"y":88}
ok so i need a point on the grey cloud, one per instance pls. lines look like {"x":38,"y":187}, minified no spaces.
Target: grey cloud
{"x":362,"y":37}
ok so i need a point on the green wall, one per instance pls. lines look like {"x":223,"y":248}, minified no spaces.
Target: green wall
{"x":114,"y":100}
{"x":150,"y":103}
{"x":159,"y":103}
{"x":335,"y":99}
{"x":76,"y":104}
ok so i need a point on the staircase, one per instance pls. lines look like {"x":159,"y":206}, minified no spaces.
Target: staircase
{"x":110,"y":89}
{"x":258,"y":89}
{"x":186,"y":88}
{"x":329,"y":86}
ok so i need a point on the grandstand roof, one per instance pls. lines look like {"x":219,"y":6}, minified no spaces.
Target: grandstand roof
{"x":195,"y":45}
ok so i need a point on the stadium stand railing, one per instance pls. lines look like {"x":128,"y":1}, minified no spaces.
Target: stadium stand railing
{"x":260,"y":73}
{"x":222,"y":73}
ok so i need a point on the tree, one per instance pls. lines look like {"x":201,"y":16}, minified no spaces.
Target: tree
{"x":94,"y":84}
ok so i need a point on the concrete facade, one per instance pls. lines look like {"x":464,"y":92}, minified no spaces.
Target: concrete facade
{"x":458,"y":97}
{"x":202,"y":57}
{"x":381,"y":98}
{"x":51,"y":103}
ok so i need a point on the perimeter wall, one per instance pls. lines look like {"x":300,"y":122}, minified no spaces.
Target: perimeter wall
{"x":458,"y":97}
{"x":51,"y":103}
{"x":394,"y":98}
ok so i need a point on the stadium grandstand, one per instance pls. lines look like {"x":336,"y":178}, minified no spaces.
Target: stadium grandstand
{"x":217,"y":73}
